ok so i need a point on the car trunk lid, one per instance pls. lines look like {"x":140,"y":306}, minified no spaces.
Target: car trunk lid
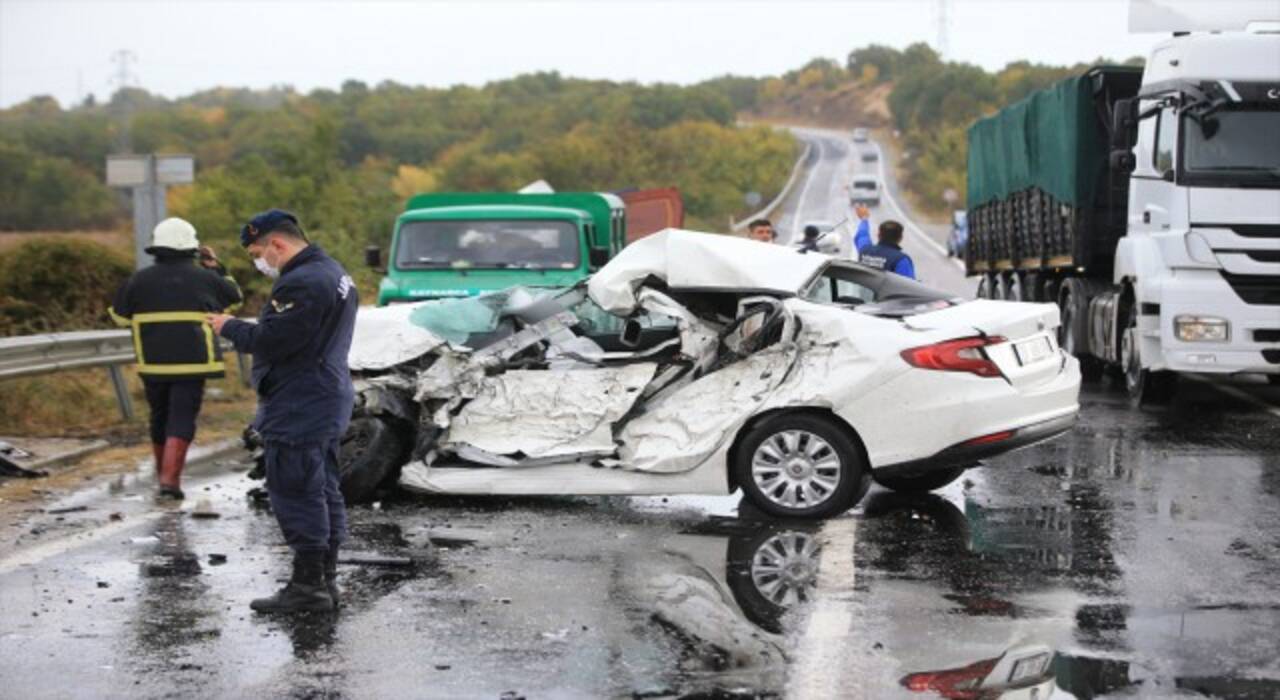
{"x":1030,"y":354}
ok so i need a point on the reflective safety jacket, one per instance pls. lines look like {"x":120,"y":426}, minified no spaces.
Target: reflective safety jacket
{"x":881,"y":255}
{"x":165,"y":305}
{"x":300,"y":346}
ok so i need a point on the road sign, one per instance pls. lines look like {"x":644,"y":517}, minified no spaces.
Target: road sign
{"x":127,"y":171}
{"x":175,"y":169}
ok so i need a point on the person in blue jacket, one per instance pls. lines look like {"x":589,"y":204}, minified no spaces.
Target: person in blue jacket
{"x":300,"y":346}
{"x":886,"y":253}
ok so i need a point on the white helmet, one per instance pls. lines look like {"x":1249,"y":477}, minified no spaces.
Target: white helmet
{"x":175,"y":234}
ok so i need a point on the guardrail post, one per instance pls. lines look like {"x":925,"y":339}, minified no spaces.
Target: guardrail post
{"x":122,"y":391}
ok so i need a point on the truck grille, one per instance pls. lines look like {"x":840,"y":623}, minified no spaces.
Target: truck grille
{"x":1264,"y":256}
{"x":1255,"y":289}
{"x":1267,"y":335}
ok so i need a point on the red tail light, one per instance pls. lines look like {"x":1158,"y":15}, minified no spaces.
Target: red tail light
{"x":962,"y":355}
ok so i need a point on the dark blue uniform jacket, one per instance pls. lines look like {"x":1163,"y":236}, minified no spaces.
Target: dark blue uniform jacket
{"x":300,"y":346}
{"x":885,"y":257}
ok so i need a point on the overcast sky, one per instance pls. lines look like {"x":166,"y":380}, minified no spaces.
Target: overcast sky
{"x":64,"y":47}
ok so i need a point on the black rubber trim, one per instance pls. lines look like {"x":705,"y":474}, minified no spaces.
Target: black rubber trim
{"x":1149,"y":309}
{"x":963,"y":455}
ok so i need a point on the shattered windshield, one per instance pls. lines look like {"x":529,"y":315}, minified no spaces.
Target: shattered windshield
{"x":508,"y":243}
{"x":459,"y":320}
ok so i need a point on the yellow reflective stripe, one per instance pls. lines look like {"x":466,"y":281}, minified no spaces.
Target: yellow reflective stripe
{"x":182,"y":369}
{"x":236,"y":306}
{"x":119,"y":320}
{"x":170,"y":317}
{"x":174,"y":317}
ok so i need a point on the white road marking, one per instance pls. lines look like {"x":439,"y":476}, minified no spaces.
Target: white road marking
{"x":804,"y":193}
{"x":910,"y":225}
{"x":819,"y":656}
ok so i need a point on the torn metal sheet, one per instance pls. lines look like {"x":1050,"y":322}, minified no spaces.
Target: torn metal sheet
{"x":678,"y":431}
{"x":688,"y":260}
{"x":541,"y":413}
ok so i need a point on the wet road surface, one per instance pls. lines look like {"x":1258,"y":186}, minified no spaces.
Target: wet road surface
{"x":1137,"y":555}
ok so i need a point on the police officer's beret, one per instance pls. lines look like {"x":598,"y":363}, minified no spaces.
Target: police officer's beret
{"x":264,"y":223}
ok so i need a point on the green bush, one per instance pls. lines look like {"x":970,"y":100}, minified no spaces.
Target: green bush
{"x":49,"y":285}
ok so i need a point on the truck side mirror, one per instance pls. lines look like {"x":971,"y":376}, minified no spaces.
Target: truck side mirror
{"x":1123,"y":161}
{"x":1124,"y":123}
{"x":373,"y":256}
{"x":598,"y":257}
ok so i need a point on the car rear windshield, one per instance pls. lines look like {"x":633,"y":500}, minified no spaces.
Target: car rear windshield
{"x":530,"y":244}
{"x":865,"y":184}
{"x":874,"y":291}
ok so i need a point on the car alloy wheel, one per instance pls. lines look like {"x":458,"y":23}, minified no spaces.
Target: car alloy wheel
{"x":784,"y":570}
{"x":796,"y":469}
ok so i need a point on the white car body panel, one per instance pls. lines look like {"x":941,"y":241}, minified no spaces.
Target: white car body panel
{"x":552,"y":431}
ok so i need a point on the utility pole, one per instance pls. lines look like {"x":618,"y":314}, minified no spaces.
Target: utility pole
{"x":123,"y":78}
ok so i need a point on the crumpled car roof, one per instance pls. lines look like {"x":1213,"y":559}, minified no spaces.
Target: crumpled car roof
{"x":689,"y":260}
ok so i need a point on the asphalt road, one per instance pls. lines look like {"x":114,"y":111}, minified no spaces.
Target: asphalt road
{"x":1137,"y":555}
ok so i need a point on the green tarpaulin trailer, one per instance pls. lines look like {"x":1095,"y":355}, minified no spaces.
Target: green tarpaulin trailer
{"x":1040,"y":194}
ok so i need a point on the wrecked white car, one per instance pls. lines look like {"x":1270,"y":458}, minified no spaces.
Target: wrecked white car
{"x":699,"y":363}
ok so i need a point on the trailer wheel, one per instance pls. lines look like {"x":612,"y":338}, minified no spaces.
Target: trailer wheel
{"x":984,"y":287}
{"x":1073,"y":305}
{"x":1145,"y":387}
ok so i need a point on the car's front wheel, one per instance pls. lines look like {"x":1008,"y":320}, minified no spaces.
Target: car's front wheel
{"x":800,"y":465}
{"x":372,"y":452}
{"x":919,"y":483}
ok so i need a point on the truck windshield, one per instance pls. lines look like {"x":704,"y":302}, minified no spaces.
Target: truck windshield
{"x":1238,"y":145}
{"x":507,"y":243}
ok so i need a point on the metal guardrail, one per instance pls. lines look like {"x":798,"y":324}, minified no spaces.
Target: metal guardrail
{"x":782,"y":196}
{"x":30,"y":355}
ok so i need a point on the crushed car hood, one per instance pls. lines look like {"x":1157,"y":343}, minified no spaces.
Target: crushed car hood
{"x":688,"y":260}
{"x":384,"y":337}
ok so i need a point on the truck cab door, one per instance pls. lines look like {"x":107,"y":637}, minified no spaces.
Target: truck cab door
{"x":1155,"y":200}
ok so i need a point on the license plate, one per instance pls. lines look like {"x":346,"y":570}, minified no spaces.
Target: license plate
{"x":1032,"y":351}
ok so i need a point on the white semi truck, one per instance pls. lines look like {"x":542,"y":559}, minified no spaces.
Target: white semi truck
{"x":1145,"y":202}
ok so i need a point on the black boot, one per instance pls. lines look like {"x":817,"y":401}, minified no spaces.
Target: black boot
{"x":305,"y":592}
{"x":331,"y":574}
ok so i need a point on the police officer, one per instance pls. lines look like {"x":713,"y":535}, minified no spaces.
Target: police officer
{"x":166,"y":305}
{"x":300,"y":346}
{"x":887,"y":253}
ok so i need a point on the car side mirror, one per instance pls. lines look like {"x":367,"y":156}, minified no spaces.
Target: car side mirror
{"x":373,"y":256}
{"x":631,"y":332}
{"x":1123,"y":161}
{"x":598,"y":257}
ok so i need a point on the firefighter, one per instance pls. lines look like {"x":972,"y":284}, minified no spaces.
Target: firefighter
{"x":166,"y":305}
{"x":887,"y":253}
{"x":300,"y":346}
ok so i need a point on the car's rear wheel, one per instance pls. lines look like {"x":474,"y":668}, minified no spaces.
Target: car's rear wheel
{"x":920,"y":483}
{"x":800,"y":465}
{"x":373,"y":450}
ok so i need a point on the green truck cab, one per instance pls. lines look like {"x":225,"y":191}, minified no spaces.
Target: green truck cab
{"x":462,"y":243}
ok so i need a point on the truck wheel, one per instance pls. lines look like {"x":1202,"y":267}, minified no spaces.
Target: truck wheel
{"x":1015,"y":288}
{"x":1145,"y":387}
{"x":1073,"y":305}
{"x":984,"y":287}
{"x":373,"y":451}
{"x":799,"y":465}
{"x":919,"y":483}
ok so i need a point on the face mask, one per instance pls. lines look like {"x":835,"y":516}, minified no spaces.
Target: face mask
{"x":266,"y":269}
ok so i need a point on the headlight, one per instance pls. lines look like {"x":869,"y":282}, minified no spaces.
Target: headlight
{"x":1197,"y":329}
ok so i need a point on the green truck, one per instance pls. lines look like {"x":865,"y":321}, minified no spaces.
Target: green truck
{"x":466,"y":243}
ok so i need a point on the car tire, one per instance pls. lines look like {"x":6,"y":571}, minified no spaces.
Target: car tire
{"x":920,"y":483}
{"x":372,"y":452}
{"x":814,"y":456}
